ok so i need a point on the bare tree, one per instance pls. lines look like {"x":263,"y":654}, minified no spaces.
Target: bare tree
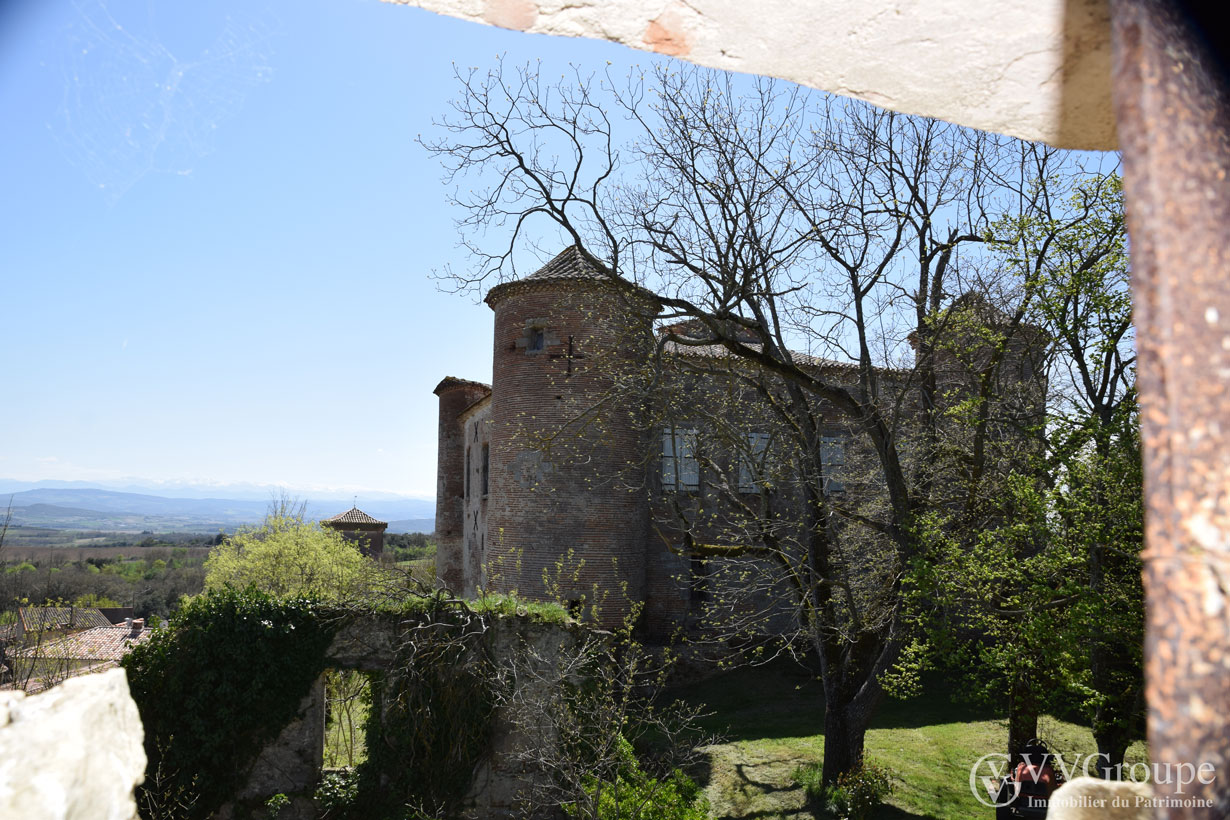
{"x":8,"y":519}
{"x":811,"y":257}
{"x":597,"y":737}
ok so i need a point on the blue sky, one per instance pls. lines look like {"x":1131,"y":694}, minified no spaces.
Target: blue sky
{"x":218,"y":235}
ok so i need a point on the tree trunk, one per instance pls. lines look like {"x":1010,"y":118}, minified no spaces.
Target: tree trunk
{"x":1112,"y":744}
{"x":845,"y":728}
{"x":1022,"y":721}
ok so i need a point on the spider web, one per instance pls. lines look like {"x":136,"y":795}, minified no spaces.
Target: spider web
{"x":132,"y":106}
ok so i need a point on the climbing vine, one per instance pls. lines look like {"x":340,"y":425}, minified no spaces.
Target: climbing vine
{"x":222,"y":679}
{"x":439,"y":701}
{"x":215,"y":686}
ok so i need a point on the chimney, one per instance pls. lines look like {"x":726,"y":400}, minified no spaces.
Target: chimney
{"x":128,"y":623}
{"x":136,"y":624}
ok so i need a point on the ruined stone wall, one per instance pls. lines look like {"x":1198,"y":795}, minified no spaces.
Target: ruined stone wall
{"x":291,"y":764}
{"x":503,"y":775}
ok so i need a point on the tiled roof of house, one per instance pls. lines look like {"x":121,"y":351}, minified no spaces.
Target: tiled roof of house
{"x":717,"y":351}
{"x":102,"y":643}
{"x":40,"y":618}
{"x":696,"y":329}
{"x":354,"y":516}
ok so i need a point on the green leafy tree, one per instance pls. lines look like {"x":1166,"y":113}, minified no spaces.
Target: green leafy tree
{"x":287,"y":556}
{"x":1033,"y":590}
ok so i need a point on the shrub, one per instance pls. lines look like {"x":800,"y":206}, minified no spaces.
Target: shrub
{"x":632,"y":794}
{"x":336,"y":793}
{"x":854,"y":796}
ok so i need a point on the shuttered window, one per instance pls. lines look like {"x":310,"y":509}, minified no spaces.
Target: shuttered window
{"x":680,"y":468}
{"x":833,"y":460}
{"x":751,"y":461}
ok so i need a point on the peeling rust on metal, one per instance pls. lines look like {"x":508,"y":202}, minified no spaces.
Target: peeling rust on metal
{"x":1173,"y":113}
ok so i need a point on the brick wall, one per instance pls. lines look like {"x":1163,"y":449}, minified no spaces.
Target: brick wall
{"x":455,"y":396}
{"x":565,"y":464}
{"x":476,"y":424}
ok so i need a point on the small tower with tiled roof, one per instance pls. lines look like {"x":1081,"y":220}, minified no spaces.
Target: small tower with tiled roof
{"x":359,"y":527}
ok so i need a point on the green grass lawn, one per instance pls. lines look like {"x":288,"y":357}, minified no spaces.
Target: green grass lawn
{"x":773,"y":717}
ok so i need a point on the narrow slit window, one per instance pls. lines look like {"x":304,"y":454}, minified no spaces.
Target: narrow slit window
{"x":486,"y":468}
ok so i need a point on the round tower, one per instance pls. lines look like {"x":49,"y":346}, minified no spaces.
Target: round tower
{"x":567,"y":515}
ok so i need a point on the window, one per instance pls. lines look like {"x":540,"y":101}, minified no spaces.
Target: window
{"x":751,"y":461}
{"x":680,"y":469}
{"x":486,"y":467}
{"x":833,"y":461}
{"x":535,"y":340}
{"x":467,"y":473}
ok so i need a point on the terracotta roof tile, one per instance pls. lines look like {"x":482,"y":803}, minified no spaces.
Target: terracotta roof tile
{"x":102,"y":643}
{"x":39,"y":618}
{"x":717,"y":351}
{"x":568,"y":264}
{"x":449,"y":382}
{"x":354,"y":516}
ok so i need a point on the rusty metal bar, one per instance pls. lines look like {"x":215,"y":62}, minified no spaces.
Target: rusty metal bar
{"x":1173,"y":113}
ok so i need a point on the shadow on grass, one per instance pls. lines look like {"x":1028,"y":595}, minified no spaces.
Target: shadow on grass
{"x":782,"y":699}
{"x":894,"y":813}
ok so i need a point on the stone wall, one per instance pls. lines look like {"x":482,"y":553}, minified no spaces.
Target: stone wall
{"x":476,"y":422}
{"x":73,"y":752}
{"x":289,"y":765}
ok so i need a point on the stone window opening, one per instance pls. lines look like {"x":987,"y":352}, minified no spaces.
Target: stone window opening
{"x":535,"y":338}
{"x":467,"y":473}
{"x":347,"y":703}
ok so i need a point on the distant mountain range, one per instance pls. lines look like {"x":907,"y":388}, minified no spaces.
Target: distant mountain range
{"x":96,"y":509}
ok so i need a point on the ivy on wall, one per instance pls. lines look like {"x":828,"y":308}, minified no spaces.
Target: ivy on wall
{"x":215,"y":686}
{"x":439,"y":701}
{"x":230,"y":669}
